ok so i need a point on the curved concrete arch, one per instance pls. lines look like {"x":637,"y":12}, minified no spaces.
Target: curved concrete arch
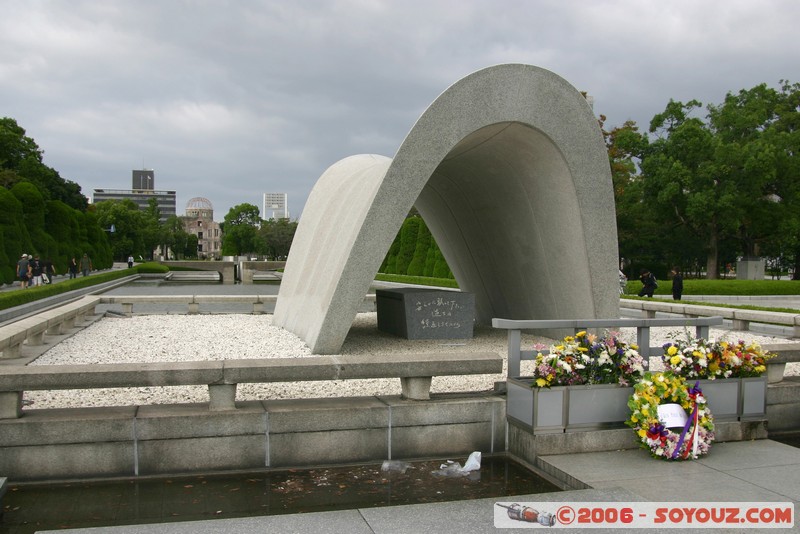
{"x":509,"y":170}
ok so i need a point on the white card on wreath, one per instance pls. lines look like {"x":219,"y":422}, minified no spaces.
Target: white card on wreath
{"x":672,"y":415}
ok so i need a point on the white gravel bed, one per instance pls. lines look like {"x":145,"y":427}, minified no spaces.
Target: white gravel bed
{"x":162,"y":338}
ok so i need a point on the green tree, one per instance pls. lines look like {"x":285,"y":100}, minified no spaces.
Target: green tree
{"x":408,"y":244}
{"x":731,"y":180}
{"x":175,"y":236}
{"x":635,"y":226}
{"x":128,"y":225}
{"x":416,"y":266}
{"x":153,"y":234}
{"x":785,"y":133}
{"x":33,"y":217}
{"x":747,"y":154}
{"x":191,"y":247}
{"x":21,"y":159}
{"x":684,"y":180}
{"x":239,"y":230}
{"x":15,"y":238}
{"x":15,"y":146}
{"x":276,"y":237}
{"x":415,"y":252}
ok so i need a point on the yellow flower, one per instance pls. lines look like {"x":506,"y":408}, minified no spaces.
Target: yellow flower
{"x":642,"y":432}
{"x":672,"y":350}
{"x":541,"y":382}
{"x":581,"y":333}
{"x":675,"y":360}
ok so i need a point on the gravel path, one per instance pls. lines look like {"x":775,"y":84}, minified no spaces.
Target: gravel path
{"x":162,"y":338}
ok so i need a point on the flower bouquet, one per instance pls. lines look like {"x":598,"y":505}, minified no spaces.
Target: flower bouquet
{"x":586,"y":359}
{"x":697,"y":358}
{"x":730,"y":374}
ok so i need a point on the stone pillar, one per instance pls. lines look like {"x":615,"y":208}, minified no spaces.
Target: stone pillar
{"x":416,"y":388}
{"x":775,"y":372}
{"x":750,"y":269}
{"x":10,"y":404}
{"x":37,"y":338}
{"x":221,"y":397}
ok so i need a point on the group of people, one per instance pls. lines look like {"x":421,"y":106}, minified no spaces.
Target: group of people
{"x":32,"y":271}
{"x":650,"y":284}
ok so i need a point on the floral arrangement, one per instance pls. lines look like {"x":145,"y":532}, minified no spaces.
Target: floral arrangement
{"x":693,"y":440}
{"x":586,"y":359}
{"x":698,"y":358}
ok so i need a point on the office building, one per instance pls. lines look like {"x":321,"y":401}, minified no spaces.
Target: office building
{"x":275,"y":206}
{"x":142,"y":195}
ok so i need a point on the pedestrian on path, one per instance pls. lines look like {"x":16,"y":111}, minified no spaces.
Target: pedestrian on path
{"x":73,"y":268}
{"x":130,"y":261}
{"x":677,"y":283}
{"x":35,"y":270}
{"x":49,"y":271}
{"x":22,"y":271}
{"x":86,"y":264}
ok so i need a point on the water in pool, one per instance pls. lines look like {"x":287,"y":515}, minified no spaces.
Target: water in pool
{"x":29,"y":508}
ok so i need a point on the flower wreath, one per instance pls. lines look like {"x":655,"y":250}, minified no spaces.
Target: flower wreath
{"x":697,"y":434}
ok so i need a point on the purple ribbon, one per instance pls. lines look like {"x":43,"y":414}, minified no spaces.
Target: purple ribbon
{"x":695,"y":389}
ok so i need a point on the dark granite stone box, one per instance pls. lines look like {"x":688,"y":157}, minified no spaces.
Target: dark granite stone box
{"x":415,"y":313}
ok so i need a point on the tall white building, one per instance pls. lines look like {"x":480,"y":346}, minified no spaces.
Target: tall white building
{"x":275,"y":206}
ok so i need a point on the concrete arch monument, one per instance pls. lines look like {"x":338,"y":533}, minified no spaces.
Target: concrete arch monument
{"x":509,"y":170}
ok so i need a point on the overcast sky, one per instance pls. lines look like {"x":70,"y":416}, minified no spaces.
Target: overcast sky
{"x":231,"y":99}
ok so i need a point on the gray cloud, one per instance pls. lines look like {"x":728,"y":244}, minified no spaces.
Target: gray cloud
{"x":230,"y":99}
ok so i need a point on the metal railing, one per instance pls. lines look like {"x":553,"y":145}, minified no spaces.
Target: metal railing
{"x":643,"y":326}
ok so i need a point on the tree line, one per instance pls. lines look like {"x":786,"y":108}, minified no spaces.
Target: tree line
{"x":700,"y":191}
{"x":139,"y":233}
{"x":244,"y":232}
{"x":40,"y":212}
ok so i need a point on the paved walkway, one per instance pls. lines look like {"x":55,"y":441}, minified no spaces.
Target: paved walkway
{"x":747,"y":471}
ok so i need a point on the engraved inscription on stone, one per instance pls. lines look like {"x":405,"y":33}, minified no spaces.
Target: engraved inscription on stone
{"x":426,"y":313}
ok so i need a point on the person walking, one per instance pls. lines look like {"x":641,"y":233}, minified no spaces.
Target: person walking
{"x":22,"y":271}
{"x":677,"y":283}
{"x":130,"y":261}
{"x":86,"y":264}
{"x":35,"y":270}
{"x":49,"y":271}
{"x":73,"y":268}
{"x":649,"y":283}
